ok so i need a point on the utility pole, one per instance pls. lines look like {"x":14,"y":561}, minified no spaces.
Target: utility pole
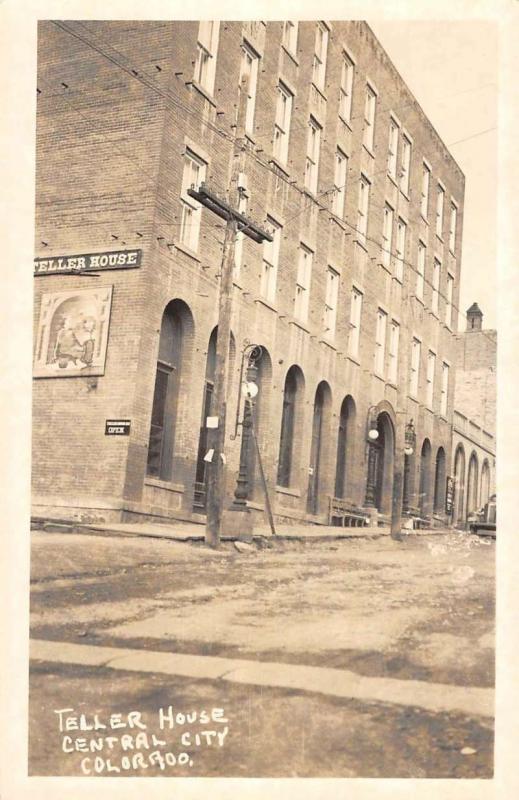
{"x":226,"y":209}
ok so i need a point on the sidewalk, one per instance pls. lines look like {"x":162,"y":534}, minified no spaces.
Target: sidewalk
{"x":435,"y":697}
{"x":194,"y":531}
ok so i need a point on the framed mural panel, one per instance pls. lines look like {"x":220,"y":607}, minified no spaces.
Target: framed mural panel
{"x":73,"y":333}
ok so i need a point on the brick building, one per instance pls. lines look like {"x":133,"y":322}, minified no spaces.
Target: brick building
{"x":474,"y":418}
{"x":352,"y":303}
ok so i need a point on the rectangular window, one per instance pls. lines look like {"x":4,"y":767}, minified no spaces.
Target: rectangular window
{"x":431,"y":368}
{"x":415,"y":368}
{"x":282,"y":123}
{"x":290,"y":36}
{"x":448,"y":302}
{"x":192,"y":176}
{"x":249,"y":71}
{"x":405,"y":167}
{"x":330,"y":303}
{"x":387,"y":235}
{"x":369,"y":118}
{"x":435,"y":299}
{"x":304,"y":274}
{"x":440,"y":200}
{"x":394,"y":339}
{"x":420,"y":272}
{"x":380,"y":342}
{"x":401,"y":231}
{"x":270,"y":262}
{"x":339,"y":189}
{"x":363,"y":210}
{"x":355,"y":318}
{"x":392,"y":148}
{"x":238,"y":246}
{"x":207,"y":46}
{"x":319,"y":63}
{"x":445,"y":389}
{"x":424,"y":200}
{"x":452,"y":230}
{"x":313,"y":146}
{"x":346,"y":89}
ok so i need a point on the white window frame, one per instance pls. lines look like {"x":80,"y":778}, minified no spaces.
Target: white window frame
{"x":431,"y":370}
{"x":313,"y":149}
{"x":380,"y":342}
{"x":448,"y":300}
{"x":290,"y":29}
{"x":440,"y":205}
{"x":340,"y":178}
{"x":436,"y":277}
{"x":249,"y":64}
{"x":320,"y":53}
{"x":401,"y":235}
{"x":363,"y":208}
{"x":370,"y":102}
{"x":207,"y":46}
{"x":392,"y":155}
{"x":191,"y":209}
{"x":356,"y":299}
{"x":282,"y":122}
{"x":346,"y":87}
{"x":444,"y":397}
{"x":304,"y":276}
{"x":269,"y":270}
{"x":453,"y":227}
{"x":387,"y":234}
{"x":330,"y":302}
{"x":414,"y":375}
{"x":420,"y":270}
{"x":426,"y":185}
{"x":405,"y":164}
{"x":394,"y":342}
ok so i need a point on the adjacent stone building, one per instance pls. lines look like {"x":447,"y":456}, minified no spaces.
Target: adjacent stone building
{"x":474,"y":419}
{"x":352,"y":303}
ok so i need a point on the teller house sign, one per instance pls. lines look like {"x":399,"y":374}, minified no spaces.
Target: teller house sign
{"x":116,"y":259}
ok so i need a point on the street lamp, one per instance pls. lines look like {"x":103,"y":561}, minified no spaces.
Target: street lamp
{"x":372,"y":435}
{"x":409,"y":447}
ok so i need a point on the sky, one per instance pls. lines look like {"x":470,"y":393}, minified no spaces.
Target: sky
{"x":459,"y":94}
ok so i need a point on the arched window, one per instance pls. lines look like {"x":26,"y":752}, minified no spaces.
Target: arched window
{"x":459,"y":484}
{"x":320,"y":424}
{"x":425,"y":478}
{"x":165,"y":397}
{"x":286,"y":441}
{"x":472,"y":485}
{"x":439,"y":482}
{"x":485,"y":482}
{"x":344,"y":446}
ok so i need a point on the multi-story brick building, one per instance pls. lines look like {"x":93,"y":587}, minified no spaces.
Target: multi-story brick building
{"x":474,"y":418}
{"x":352,"y":303}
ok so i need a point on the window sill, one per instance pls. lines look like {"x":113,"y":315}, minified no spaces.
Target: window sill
{"x":353,"y":359}
{"x":291,"y":55}
{"x":385,"y":267}
{"x":379,"y":376}
{"x":309,"y":193}
{"x":299,"y":324}
{"x":419,"y":300}
{"x":161,"y":484}
{"x":424,"y":219}
{"x":203,"y":91}
{"x":280,"y":165}
{"x":393,"y":180}
{"x":187,"y":251}
{"x":404,"y":194}
{"x":439,"y":237}
{"x":347,"y":122}
{"x":328,"y":342}
{"x":392,"y":385}
{"x":361,"y":244}
{"x":398,"y":279}
{"x":267,"y":303}
{"x":413,"y":398}
{"x":287,"y":490}
{"x":368,"y":150}
{"x":320,"y":90}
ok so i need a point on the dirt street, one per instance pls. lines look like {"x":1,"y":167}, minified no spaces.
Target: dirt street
{"x":420,"y":610}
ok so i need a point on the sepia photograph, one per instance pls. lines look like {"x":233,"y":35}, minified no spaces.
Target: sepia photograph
{"x":263,"y":505}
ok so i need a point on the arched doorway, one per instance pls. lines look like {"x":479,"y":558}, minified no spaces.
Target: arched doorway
{"x":439,"y":482}
{"x":425,"y":490}
{"x":381,"y":456}
{"x":344,"y":446}
{"x":321,"y":406}
{"x":161,"y":445}
{"x":485,"y":482}
{"x":292,"y":401}
{"x":472,"y":485}
{"x":459,"y":486}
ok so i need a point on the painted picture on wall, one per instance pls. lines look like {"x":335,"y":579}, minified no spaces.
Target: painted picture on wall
{"x":73,"y":333}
